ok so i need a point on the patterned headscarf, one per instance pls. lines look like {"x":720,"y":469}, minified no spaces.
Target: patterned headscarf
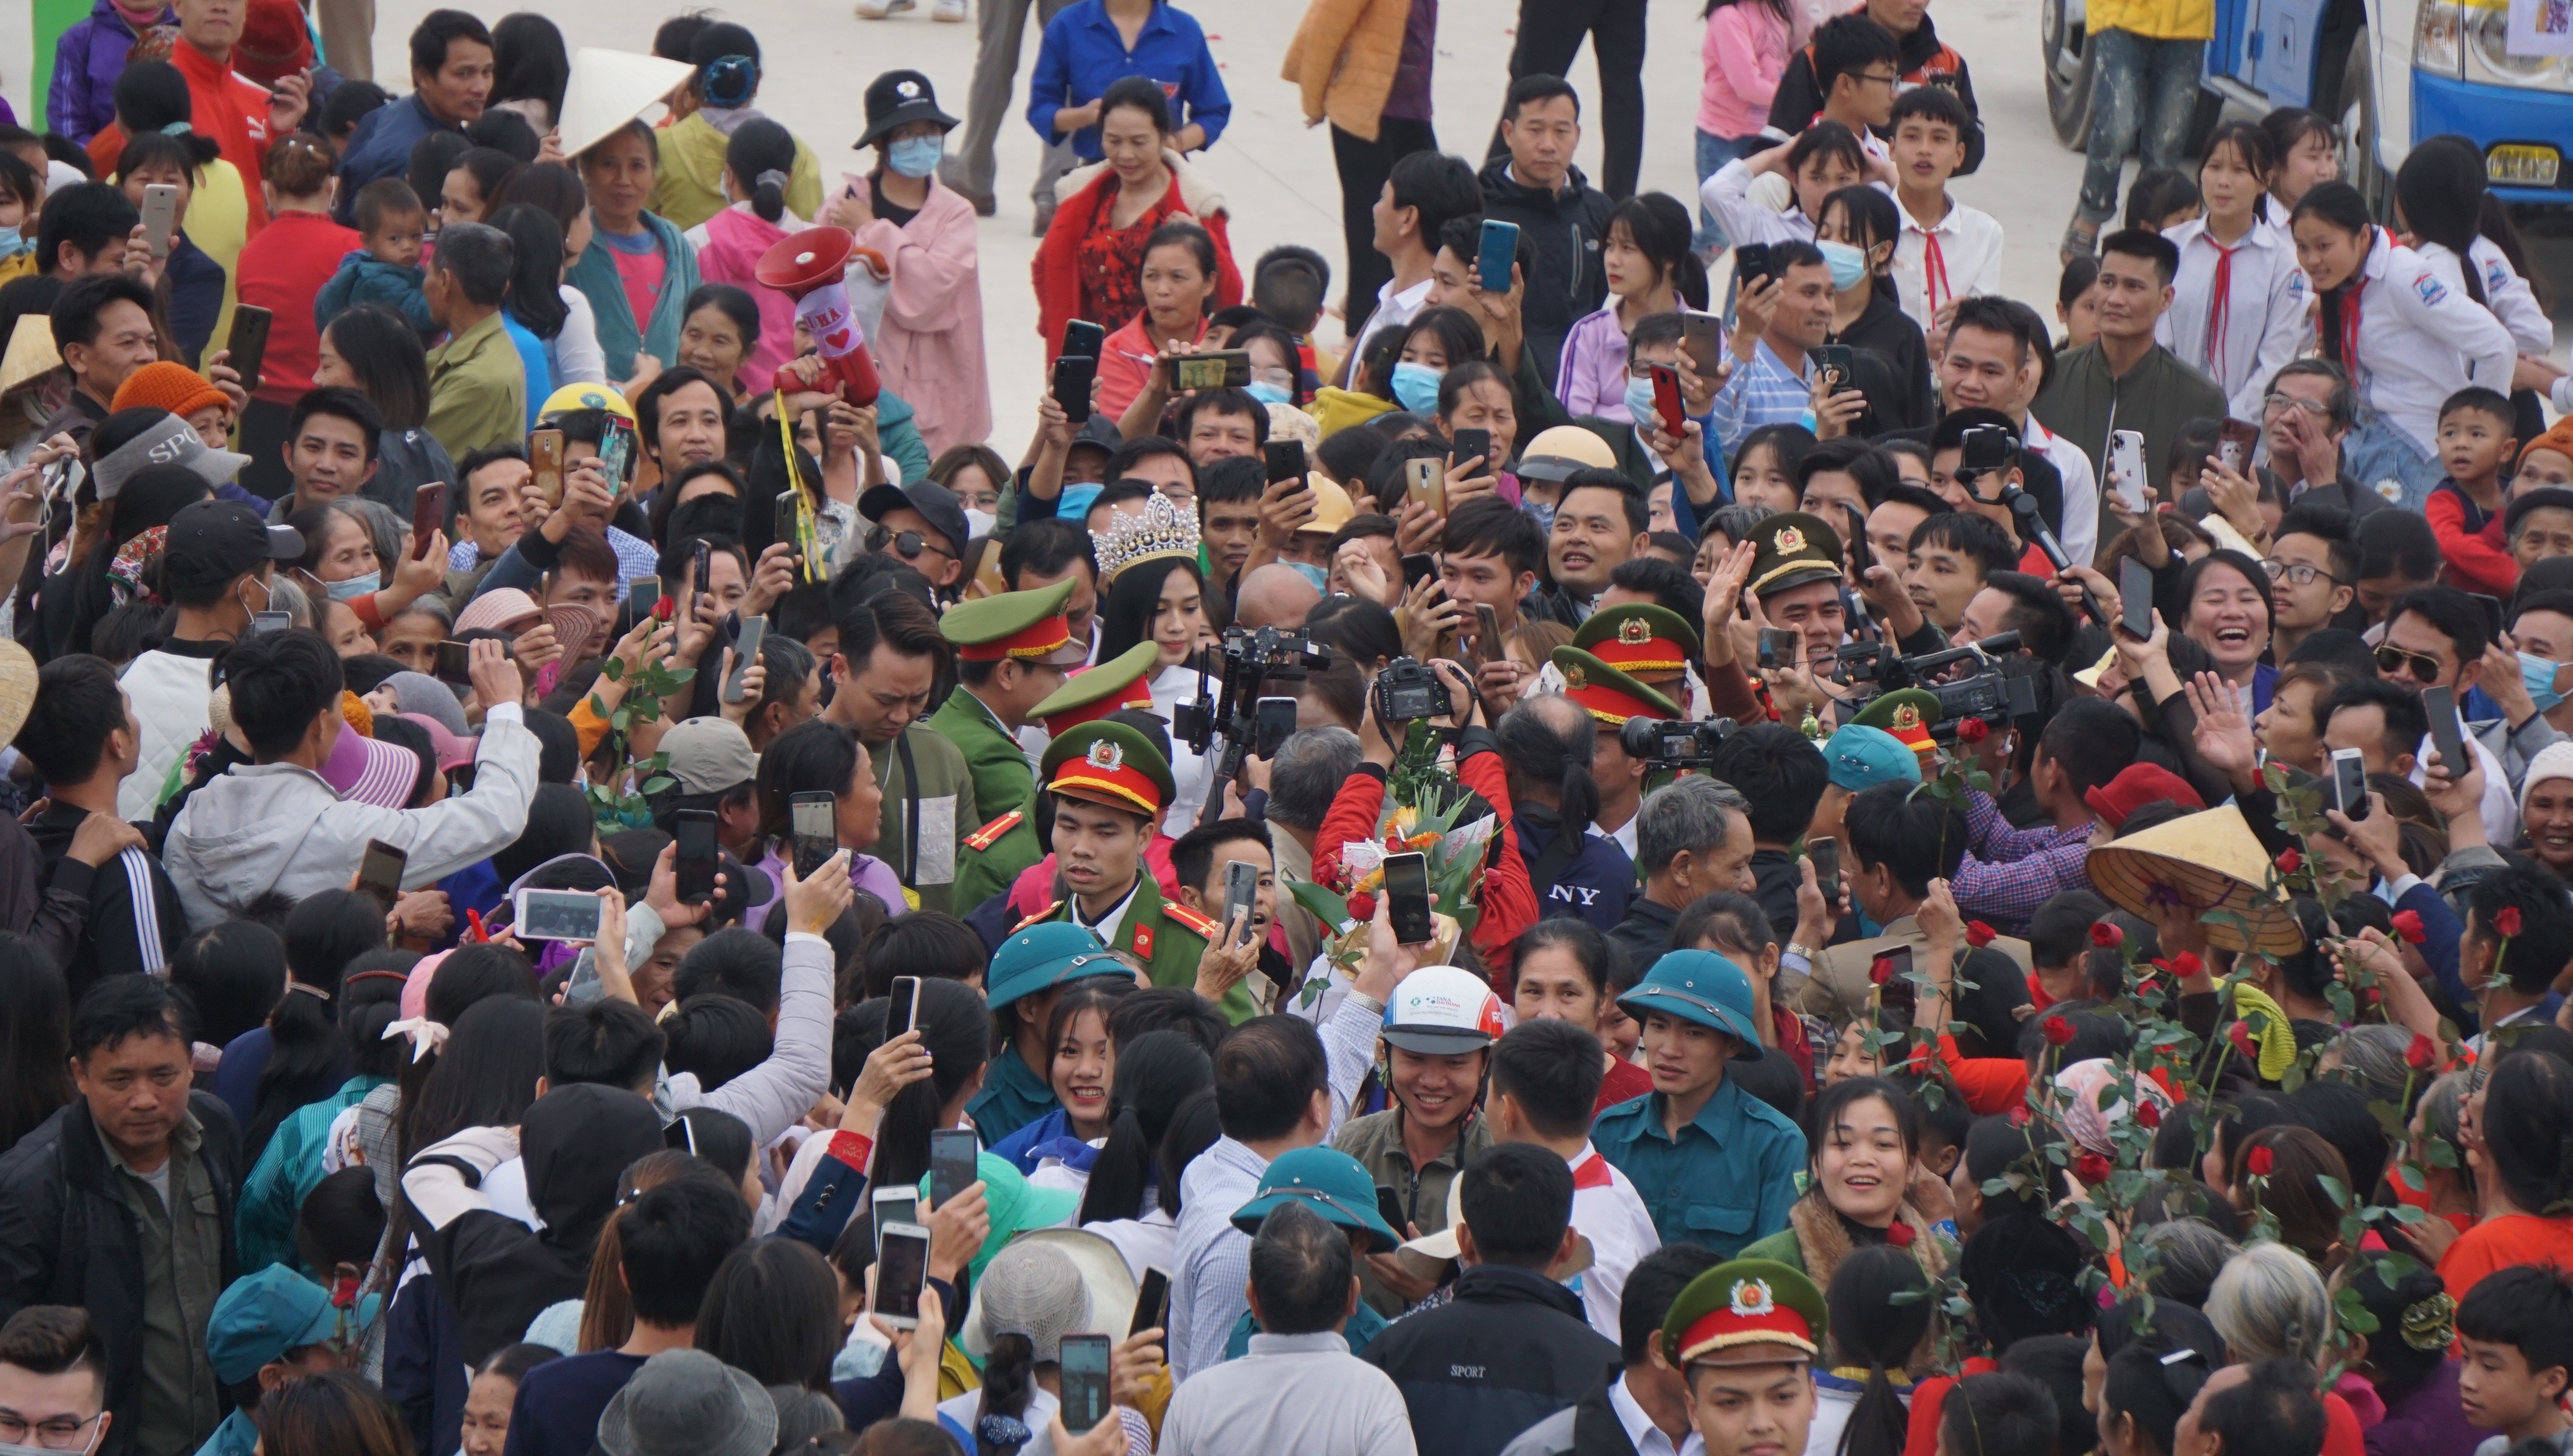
{"x":2078,"y":1090}
{"x":124,"y":574}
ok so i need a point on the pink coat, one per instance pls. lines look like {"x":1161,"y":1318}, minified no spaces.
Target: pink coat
{"x":733,"y":241}
{"x":930,"y":347}
{"x":1744,"y":55}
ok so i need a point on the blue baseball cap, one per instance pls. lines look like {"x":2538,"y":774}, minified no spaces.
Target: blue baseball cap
{"x":1046,"y":956}
{"x":1326,"y":1180}
{"x":1861,"y":757}
{"x":264,"y":1315}
{"x":1700,"y":987}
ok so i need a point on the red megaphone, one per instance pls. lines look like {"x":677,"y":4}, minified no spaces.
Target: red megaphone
{"x":809,"y":267}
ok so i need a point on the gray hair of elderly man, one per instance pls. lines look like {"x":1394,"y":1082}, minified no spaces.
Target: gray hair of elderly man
{"x":1308,"y":773}
{"x":1685,"y":815}
{"x":2270,"y":1304}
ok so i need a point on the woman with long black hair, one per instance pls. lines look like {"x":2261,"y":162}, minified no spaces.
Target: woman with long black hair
{"x":290,"y":1165}
{"x":1151,"y":592}
{"x":1858,"y":232}
{"x":375,"y":350}
{"x":1860,"y":1406}
{"x":533,"y":310}
{"x":957,"y":1034}
{"x":300,"y":1056}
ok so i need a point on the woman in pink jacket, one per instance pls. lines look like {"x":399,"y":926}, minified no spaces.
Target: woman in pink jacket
{"x":1745,"y":52}
{"x":928,"y":348}
{"x":757,"y":162}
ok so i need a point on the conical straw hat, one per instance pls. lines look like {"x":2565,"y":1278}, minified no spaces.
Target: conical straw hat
{"x":609,"y":89}
{"x":31,"y":351}
{"x":2212,"y":862}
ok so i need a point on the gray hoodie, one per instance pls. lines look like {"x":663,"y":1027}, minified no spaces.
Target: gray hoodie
{"x":279,"y":826}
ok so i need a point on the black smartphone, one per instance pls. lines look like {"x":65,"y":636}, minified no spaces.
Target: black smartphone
{"x":1781,"y":646}
{"x":454,"y":663}
{"x":1750,"y":262}
{"x":951,"y":1164}
{"x":695,"y":833}
{"x":1985,"y":447}
{"x":1241,"y":894}
{"x":2350,"y":783}
{"x":744,"y":654}
{"x":1277,"y":725}
{"x":788,"y":525}
{"x":427,"y":517}
{"x":1467,"y":444}
{"x":247,"y":345}
{"x":1389,"y":1207}
{"x":1085,"y":1381}
{"x":902,"y":1269}
{"x":2445,"y":733}
{"x":1407,"y":889}
{"x":1083,"y":338}
{"x":2136,"y":596}
{"x":1826,"y":855}
{"x":1897,"y":960}
{"x":380,"y":873}
{"x":1417,"y":568}
{"x":1072,"y":376}
{"x":2492,"y":606}
{"x":813,"y":818}
{"x":1861,"y":555}
{"x":1151,"y":1296}
{"x":902,"y":1009}
{"x":1286,"y":460}
{"x":1838,"y":363}
{"x":701,"y":564}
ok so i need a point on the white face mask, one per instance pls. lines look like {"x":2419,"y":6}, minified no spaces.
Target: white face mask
{"x":980,"y":522}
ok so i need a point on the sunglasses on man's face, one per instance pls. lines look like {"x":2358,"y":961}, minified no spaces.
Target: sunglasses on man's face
{"x":906,"y":544}
{"x":2391,"y":659}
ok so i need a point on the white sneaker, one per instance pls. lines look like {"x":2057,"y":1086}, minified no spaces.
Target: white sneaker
{"x":879,"y":9}
{"x":948,"y":10}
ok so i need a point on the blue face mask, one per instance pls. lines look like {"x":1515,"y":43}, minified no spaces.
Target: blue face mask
{"x":11,"y":245}
{"x":1639,"y":403}
{"x":1540,"y":511}
{"x":1312,"y":573}
{"x":2539,"y":675}
{"x":915,"y":155}
{"x":1268,"y":393}
{"x":1415,"y":387}
{"x":1848,"y":265}
{"x":355,"y":586}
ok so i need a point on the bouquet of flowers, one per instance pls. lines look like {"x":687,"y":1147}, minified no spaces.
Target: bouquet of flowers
{"x":1422,"y":803}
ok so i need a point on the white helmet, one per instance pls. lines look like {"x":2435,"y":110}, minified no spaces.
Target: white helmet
{"x":1441,"y":1010}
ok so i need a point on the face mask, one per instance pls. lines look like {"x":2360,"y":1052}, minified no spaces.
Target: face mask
{"x":1639,"y":403}
{"x":980,"y":522}
{"x":11,"y":245}
{"x":1848,"y":265}
{"x":1268,"y":393}
{"x":355,"y":586}
{"x":915,"y":155}
{"x":1312,"y":573}
{"x":2539,"y":675}
{"x":1540,"y":511}
{"x":1415,"y":387}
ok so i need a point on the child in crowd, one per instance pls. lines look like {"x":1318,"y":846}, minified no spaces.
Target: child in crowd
{"x":1764,"y":469}
{"x":2162,"y":198}
{"x":2238,"y":302}
{"x":1822,"y":160}
{"x":1745,"y":52}
{"x":1948,"y":250}
{"x":22,"y":191}
{"x":387,"y":270}
{"x":2466,"y":506}
{"x":2515,"y":1327}
{"x":2077,"y":306}
{"x":1289,"y":285}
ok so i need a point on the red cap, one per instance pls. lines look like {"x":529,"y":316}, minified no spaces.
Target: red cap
{"x":2137,"y":785}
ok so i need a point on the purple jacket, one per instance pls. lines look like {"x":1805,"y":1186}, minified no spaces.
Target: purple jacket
{"x":2425,"y":1420}
{"x":86,"y":62}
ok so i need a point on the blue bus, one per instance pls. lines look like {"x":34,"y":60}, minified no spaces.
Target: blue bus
{"x":2389,"y":72}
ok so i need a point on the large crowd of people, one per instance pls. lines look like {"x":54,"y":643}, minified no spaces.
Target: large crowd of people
{"x":1665,"y":826}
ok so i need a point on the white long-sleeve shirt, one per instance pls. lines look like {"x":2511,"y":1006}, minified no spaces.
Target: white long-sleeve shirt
{"x":1728,"y":194}
{"x":2506,"y":294}
{"x":1959,"y":255}
{"x":2081,"y":538}
{"x":2263,"y":310}
{"x":2419,"y":339}
{"x":771,"y":1095}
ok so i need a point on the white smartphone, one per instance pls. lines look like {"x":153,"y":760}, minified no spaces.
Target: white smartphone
{"x":902,"y":1269}
{"x":2127,"y":470}
{"x":891,"y":1206}
{"x":571,"y":915}
{"x":160,"y":215}
{"x":2350,"y":783}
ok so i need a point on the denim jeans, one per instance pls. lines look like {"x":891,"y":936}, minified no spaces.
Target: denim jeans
{"x":1712,"y":153}
{"x":2141,"y":91}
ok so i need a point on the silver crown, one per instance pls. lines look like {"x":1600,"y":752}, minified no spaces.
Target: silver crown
{"x":1160,"y":529}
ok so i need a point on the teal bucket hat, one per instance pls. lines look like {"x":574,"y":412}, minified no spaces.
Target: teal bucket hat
{"x":265,"y":1315}
{"x":1326,"y":1180}
{"x":1014,"y":1204}
{"x":1861,"y":757}
{"x":1700,"y":987}
{"x":1043,"y":957}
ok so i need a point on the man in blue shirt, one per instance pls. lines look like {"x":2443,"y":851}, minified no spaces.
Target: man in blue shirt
{"x":451,"y":78}
{"x":1784,"y":315}
{"x":1714,"y":1165}
{"x":1084,"y":51}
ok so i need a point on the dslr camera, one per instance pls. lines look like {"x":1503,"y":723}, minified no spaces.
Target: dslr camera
{"x":1408,"y":692}
{"x":1667,"y":745}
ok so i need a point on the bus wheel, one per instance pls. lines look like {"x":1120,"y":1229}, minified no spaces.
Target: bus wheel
{"x":2067,"y":62}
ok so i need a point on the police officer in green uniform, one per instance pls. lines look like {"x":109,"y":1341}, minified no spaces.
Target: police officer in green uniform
{"x":1027,"y":977}
{"x":1011,"y":653}
{"x":990,"y":859}
{"x":1651,"y":644}
{"x":1110,"y":788}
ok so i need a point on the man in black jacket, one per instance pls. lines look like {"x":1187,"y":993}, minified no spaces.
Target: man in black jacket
{"x":82,"y":738}
{"x":1925,"y":59}
{"x":1563,"y":218}
{"x":1512,"y":1348}
{"x":122,"y":1203}
{"x":1646,"y":1393}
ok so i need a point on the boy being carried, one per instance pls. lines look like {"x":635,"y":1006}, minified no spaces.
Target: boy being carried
{"x":387,"y":270}
{"x":2476,"y":426}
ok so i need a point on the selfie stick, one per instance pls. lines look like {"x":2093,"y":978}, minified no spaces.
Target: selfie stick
{"x":2032,"y":526}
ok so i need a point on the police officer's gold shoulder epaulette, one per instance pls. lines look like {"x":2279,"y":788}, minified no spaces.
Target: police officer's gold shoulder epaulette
{"x":1040,"y":916}
{"x":990,"y":834}
{"x":1190,"y":919}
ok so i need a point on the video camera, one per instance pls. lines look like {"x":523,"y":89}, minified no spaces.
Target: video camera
{"x":1874,"y":662}
{"x":1251,"y":659}
{"x":1991,"y":695}
{"x":1667,"y":745}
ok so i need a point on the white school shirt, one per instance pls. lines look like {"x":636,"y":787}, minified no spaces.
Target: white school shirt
{"x":2419,"y":339}
{"x":2264,"y":306}
{"x":2080,"y":537}
{"x":1608,"y":1212}
{"x":1728,"y":194}
{"x":1964,"y":246}
{"x":2506,"y":294}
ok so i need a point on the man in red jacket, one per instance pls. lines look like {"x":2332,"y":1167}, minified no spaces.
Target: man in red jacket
{"x":239,"y":115}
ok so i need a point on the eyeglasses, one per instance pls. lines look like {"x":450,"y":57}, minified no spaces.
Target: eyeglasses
{"x":2390,"y":658}
{"x":2272,"y":403}
{"x":1872,"y":80}
{"x":61,"y":1433}
{"x":2298,"y":573}
{"x":906,"y":544}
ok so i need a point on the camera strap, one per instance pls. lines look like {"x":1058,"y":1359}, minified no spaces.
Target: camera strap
{"x":910,"y":806}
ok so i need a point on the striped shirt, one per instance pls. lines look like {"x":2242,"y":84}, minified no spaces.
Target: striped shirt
{"x":1767,"y":390}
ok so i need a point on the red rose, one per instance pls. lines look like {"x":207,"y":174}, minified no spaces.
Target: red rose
{"x":2091,"y":1167}
{"x":2241,"y":1036}
{"x":2019,"y":1115}
{"x":1881,"y":972}
{"x":2421,"y":1056}
{"x":2258,"y":1161}
{"x":1973,"y":730}
{"x":2105,"y":935}
{"x":2150,"y":1114}
{"x":1898,"y":1233}
{"x":2407,"y":924}
{"x":1980,"y":934}
{"x":2058,"y":1031}
{"x":2289,"y":862}
{"x":2186,"y":963}
{"x":664,"y":609}
{"x":2507,"y":920}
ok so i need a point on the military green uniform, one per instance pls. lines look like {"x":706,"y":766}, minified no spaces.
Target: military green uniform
{"x":1025,"y":626}
{"x":990,"y":859}
{"x":928,"y":804}
{"x":1004,"y":780}
{"x":1169,"y":939}
{"x":994,"y":856}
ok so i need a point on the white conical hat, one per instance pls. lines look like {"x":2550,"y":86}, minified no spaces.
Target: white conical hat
{"x":31,"y":352}
{"x":610,"y":87}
